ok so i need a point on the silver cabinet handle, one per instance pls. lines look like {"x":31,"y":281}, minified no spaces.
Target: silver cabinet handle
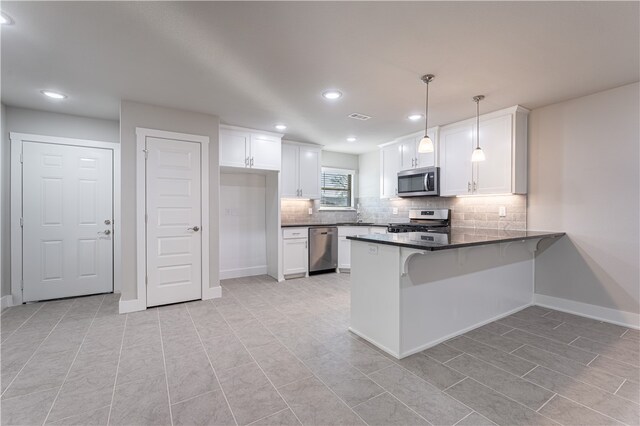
{"x":251,"y":161}
{"x":246,"y":161}
{"x":468,"y":186}
{"x":416,"y":162}
{"x":475,"y":186}
{"x":194,"y":229}
{"x":305,"y":244}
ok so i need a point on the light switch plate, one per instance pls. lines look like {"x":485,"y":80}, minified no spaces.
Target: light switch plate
{"x":395,"y":210}
{"x":502,"y":211}
{"x":310,"y":210}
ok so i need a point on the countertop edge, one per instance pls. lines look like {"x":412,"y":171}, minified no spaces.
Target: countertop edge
{"x":364,"y":238}
{"x":312,"y":225}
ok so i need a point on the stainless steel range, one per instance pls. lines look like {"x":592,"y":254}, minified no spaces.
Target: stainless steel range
{"x":424,"y":220}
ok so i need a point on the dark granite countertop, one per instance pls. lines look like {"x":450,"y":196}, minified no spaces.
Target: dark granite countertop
{"x":309,"y":225}
{"x":456,"y":238}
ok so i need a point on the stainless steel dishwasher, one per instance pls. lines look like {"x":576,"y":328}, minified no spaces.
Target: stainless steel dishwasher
{"x":323,"y":248}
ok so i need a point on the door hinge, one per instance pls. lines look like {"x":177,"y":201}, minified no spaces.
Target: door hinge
{"x":22,"y":284}
{"x":21,"y":222}
{"x":146,"y":153}
{"x":21,"y":158}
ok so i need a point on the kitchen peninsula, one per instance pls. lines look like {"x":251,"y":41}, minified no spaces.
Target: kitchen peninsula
{"x":413,"y":290}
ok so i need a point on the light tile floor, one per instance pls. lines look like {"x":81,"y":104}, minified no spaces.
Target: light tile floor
{"x":272,"y":353}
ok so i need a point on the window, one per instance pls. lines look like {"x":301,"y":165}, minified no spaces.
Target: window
{"x":336,"y":189}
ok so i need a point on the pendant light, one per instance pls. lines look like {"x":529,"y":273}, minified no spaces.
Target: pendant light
{"x":478,"y":153}
{"x":426,"y":144}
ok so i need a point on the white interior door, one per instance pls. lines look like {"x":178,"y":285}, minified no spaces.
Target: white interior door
{"x":174,"y":212}
{"x":67,"y":216}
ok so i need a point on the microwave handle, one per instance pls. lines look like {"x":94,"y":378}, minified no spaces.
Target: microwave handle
{"x":426,"y":181}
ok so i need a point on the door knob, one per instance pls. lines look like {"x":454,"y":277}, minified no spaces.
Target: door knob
{"x":194,"y":229}
{"x":107,"y":222}
{"x":107,"y":232}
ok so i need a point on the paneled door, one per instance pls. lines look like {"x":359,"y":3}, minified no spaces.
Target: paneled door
{"x":67,"y":229}
{"x":173,"y":230}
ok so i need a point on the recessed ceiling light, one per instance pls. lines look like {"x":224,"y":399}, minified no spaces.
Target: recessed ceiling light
{"x":332,"y":94}
{"x":415,"y":117}
{"x":281,"y":127}
{"x":351,"y":139}
{"x":5,"y":19}
{"x":53,"y":95}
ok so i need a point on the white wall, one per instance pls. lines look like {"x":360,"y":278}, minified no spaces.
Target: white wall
{"x":369,"y":173}
{"x":340,"y":160}
{"x":46,"y":123}
{"x":584,"y":180}
{"x":243,"y":246}
{"x":132,"y":115}
{"x":5,"y":248}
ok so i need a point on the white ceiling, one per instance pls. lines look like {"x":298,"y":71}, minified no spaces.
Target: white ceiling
{"x":258,"y":63}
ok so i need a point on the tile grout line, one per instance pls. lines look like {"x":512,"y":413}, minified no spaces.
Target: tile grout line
{"x":553,"y":328}
{"x":459,"y":381}
{"x":619,"y":387}
{"x":164,"y":362}
{"x":25,"y":321}
{"x":573,"y":340}
{"x":115,"y":383}
{"x":519,"y":347}
{"x":589,"y":363}
{"x":625,"y":332}
{"x":300,"y":360}
{"x":546,"y":402}
{"x":522,"y":376}
{"x":397,"y":399}
{"x":254,"y":360}
{"x":209,"y":359}
{"x":464,"y":417}
{"x":74,"y":358}
{"x":267,"y":416}
{"x":37,"y":348}
{"x":509,"y":398}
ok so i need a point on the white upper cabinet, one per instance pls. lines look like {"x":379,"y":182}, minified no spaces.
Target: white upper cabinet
{"x":390,"y":164}
{"x":289,"y":187}
{"x":301,"y":168}
{"x":310,"y":171}
{"x":503,"y":138}
{"x":410,"y":157}
{"x":245,"y":148}
{"x":456,"y":145}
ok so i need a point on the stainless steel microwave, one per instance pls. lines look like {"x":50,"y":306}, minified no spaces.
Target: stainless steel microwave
{"x":419,"y":182}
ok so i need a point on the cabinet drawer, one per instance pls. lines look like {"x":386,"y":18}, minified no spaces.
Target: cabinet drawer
{"x":378,"y":230}
{"x":288,"y":233}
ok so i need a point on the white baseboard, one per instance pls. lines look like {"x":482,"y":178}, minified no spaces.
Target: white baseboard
{"x":212,"y":293}
{"x":373,"y":342}
{"x":243,"y":272}
{"x":600,"y":313}
{"x":134,"y":305}
{"x":6,"y":302}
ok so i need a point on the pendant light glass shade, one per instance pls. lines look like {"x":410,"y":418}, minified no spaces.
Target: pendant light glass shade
{"x":478,"y":154}
{"x":426,"y":144}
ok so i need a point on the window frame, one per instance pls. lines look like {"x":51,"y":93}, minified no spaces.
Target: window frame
{"x":338,"y":170}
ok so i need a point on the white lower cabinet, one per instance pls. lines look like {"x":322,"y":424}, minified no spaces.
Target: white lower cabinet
{"x":344,"y":244}
{"x":295,"y":251}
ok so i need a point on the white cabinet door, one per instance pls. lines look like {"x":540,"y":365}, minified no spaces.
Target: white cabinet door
{"x":344,"y":253}
{"x":428,"y":159}
{"x":234,"y":148}
{"x":67,"y":206}
{"x":294,"y":254}
{"x":390,"y":160}
{"x":310,"y":166}
{"x":493,"y":176}
{"x":265,"y":152}
{"x":456,"y":146}
{"x":407,"y":148}
{"x":289,"y":171}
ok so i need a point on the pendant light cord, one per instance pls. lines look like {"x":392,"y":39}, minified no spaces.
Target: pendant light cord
{"x":426,"y":111}
{"x":477,"y":123}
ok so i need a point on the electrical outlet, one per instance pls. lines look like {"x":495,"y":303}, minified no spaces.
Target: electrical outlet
{"x":502,"y":211}
{"x":395,"y":210}
{"x":310,"y":210}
